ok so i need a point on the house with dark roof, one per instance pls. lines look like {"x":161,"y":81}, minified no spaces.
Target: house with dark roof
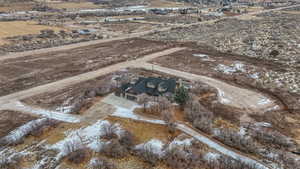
{"x":151,"y":86}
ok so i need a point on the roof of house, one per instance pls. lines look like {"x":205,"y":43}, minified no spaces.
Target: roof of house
{"x":151,"y":86}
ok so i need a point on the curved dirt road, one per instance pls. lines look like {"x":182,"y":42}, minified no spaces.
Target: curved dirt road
{"x":228,"y":94}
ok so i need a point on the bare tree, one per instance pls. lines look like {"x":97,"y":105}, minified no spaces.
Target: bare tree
{"x":169,"y":117}
{"x":234,"y":139}
{"x":164,"y":103}
{"x":147,"y":154}
{"x":143,"y":99}
{"x":179,"y":158}
{"x":109,"y":131}
{"x":126,"y":139}
{"x":114,"y":149}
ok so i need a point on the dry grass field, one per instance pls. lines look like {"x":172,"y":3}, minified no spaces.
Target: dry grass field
{"x":73,"y":5}
{"x":164,"y":3}
{"x":22,"y":6}
{"x":16,"y":28}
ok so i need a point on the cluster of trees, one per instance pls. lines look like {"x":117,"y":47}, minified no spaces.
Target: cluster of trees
{"x":272,"y":137}
{"x":198,"y":115}
{"x":179,"y":157}
{"x":118,"y":146}
{"x":235,"y":139}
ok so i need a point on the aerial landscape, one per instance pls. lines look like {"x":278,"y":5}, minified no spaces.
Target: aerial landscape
{"x":149,"y":84}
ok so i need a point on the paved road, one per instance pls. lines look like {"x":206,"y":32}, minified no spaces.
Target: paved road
{"x":228,"y":94}
{"x":139,"y":34}
{"x":55,"y":86}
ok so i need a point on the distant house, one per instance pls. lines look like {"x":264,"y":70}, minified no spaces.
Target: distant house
{"x":151,"y":86}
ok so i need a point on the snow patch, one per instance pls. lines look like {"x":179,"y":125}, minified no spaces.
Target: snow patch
{"x":235,"y":67}
{"x":210,"y":156}
{"x":181,"y":143}
{"x":89,"y":137}
{"x":47,"y":113}
{"x":17,"y":134}
{"x":156,"y":146}
{"x":264,"y":101}
{"x":128,"y":113}
{"x":204,"y":57}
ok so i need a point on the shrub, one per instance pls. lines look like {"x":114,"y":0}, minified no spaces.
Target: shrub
{"x":147,"y":154}
{"x":114,"y":149}
{"x":109,"y":131}
{"x":101,"y":163}
{"x":234,"y":139}
{"x":126,"y":139}
{"x":77,"y":156}
{"x":178,"y":158}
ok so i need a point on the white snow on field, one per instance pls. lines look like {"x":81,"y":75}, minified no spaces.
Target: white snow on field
{"x":203,"y":57}
{"x":88,"y":136}
{"x":264,"y":101}
{"x":210,"y":156}
{"x":254,"y":75}
{"x":181,"y":143}
{"x":262,"y":124}
{"x":224,"y":99}
{"x":243,"y":131}
{"x":47,"y":113}
{"x":20,"y":132}
{"x":156,"y":146}
{"x":235,"y":67}
{"x":128,"y":113}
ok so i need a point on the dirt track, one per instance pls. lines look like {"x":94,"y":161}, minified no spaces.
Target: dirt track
{"x":54,"y":86}
{"x":228,"y":94}
{"x":18,"y":74}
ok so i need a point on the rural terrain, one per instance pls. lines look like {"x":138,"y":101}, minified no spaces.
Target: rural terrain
{"x":142,"y":84}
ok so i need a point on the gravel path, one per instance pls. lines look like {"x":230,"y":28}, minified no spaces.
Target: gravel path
{"x":228,"y":94}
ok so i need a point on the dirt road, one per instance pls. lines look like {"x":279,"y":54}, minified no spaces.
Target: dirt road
{"x":55,"y":86}
{"x":228,"y":94}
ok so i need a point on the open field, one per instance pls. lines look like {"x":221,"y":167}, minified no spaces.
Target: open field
{"x":12,"y":28}
{"x":9,"y":29}
{"x":73,"y":5}
{"x":22,"y":73}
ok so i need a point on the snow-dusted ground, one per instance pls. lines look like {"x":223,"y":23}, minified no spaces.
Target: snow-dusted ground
{"x":219,"y":147}
{"x":204,"y":57}
{"x":235,"y":67}
{"x":154,"y":145}
{"x":19,"y":106}
{"x":128,"y":113}
{"x":17,"y":134}
{"x":89,"y":137}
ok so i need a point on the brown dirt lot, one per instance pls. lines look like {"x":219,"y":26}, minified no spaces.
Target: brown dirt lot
{"x":26,"y":72}
{"x":9,"y":120}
